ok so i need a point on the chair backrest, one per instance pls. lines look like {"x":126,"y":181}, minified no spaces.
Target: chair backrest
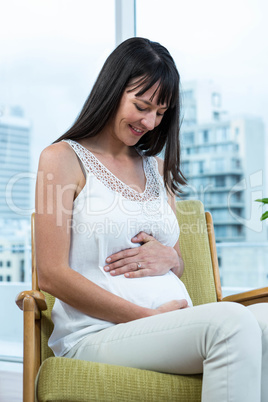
{"x":198,"y":273}
{"x":46,"y":327}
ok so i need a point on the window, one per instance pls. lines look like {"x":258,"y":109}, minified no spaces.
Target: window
{"x":205,"y":136}
{"x":219,"y":198}
{"x":237,"y":231}
{"x":64,"y":74}
{"x":216,"y":99}
{"x":22,"y":270}
{"x":222,"y":134}
{"x":51,"y":53}
{"x":220,"y":231}
{"x":188,"y":95}
{"x":238,"y":196}
{"x":221,"y":215}
{"x":186,"y":168}
{"x":189,"y":114}
{"x":218,"y":165}
{"x":240,"y":230}
{"x":194,"y":54}
{"x":17,"y":248}
{"x":201,"y":165}
{"x":236,"y":164}
{"x":187,"y":138}
{"x":220,"y":181}
{"x":216,"y":115}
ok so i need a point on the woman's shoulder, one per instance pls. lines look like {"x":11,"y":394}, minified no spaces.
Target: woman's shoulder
{"x":58,"y":153}
{"x":58,"y":156}
{"x":57,"y":150}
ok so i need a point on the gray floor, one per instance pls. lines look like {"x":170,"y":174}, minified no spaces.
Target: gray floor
{"x":10,"y":384}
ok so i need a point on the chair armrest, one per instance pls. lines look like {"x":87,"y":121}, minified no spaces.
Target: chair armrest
{"x":32,"y":302}
{"x":36,"y":295}
{"x":250,"y":297}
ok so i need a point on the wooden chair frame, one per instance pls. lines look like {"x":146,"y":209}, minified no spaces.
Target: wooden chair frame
{"x":32,"y":302}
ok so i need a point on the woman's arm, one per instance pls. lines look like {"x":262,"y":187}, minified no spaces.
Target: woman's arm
{"x":59,"y":181}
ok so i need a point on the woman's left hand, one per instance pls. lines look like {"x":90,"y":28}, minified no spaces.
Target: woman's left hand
{"x":150,"y":259}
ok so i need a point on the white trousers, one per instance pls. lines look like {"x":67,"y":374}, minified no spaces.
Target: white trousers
{"x":227,"y":342}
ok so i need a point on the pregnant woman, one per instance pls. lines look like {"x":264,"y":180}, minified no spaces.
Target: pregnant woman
{"x":105,"y":211}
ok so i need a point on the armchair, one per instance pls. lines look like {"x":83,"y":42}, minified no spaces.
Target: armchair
{"x":49,"y":378}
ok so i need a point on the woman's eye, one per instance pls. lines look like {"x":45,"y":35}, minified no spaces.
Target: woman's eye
{"x":139,"y":108}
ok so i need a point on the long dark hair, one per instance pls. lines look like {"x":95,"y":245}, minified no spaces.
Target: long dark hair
{"x":145,"y":63}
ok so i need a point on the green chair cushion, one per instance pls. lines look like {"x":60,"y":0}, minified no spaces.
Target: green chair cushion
{"x":62,"y":379}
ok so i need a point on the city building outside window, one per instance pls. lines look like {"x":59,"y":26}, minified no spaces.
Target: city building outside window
{"x":215,"y":84}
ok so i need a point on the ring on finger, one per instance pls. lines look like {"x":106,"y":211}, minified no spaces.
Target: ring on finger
{"x":139,"y":265}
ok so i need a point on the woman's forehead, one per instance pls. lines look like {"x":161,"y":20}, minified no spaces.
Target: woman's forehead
{"x":141,"y":91}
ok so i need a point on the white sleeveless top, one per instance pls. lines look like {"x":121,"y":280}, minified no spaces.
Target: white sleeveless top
{"x":106,"y":215}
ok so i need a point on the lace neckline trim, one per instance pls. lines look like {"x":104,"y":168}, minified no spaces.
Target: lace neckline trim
{"x":105,"y":176}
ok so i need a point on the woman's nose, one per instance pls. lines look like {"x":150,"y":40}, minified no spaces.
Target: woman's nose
{"x":149,"y":121}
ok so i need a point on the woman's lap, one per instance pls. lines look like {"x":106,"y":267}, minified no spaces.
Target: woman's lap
{"x":175,"y":342}
{"x":223,"y":340}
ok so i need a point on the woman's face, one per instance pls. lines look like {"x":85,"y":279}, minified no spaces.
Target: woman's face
{"x":137,"y":115}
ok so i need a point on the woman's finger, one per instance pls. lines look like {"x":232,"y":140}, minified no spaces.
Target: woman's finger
{"x":140,"y":273}
{"x":142,"y":237}
{"x":126,"y":269}
{"x":129,"y":252}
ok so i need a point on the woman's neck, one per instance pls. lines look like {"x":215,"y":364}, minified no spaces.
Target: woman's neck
{"x":106,"y":144}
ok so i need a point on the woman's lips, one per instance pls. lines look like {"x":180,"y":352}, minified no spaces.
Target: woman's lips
{"x":136,"y":131}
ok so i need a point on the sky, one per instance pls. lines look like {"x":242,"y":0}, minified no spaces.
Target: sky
{"x":52,"y":50}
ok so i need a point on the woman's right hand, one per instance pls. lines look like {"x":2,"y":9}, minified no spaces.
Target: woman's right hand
{"x":172,"y":306}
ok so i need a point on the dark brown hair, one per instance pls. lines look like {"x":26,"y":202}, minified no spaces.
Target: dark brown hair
{"x":144,"y":62}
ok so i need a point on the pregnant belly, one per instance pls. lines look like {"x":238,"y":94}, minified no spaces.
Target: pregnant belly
{"x":150,"y":291}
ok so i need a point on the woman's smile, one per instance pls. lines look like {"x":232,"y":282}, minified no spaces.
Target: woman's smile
{"x":136,"y":131}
